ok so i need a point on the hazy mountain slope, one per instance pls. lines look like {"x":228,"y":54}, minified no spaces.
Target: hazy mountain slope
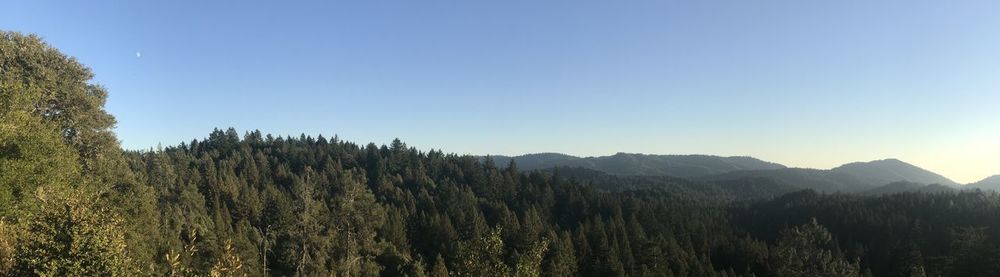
{"x":904,"y":186}
{"x":990,"y":183}
{"x":852,"y":177}
{"x":817,"y":179}
{"x":759,"y":188}
{"x":892,"y":170}
{"x":540,"y":161}
{"x":642,"y":164}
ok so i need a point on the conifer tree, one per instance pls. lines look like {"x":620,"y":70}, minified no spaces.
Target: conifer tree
{"x":807,"y":250}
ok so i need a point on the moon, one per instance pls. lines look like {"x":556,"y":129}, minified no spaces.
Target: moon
{"x":138,"y":54}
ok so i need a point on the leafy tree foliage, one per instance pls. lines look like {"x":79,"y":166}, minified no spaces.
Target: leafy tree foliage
{"x":63,"y":181}
{"x":61,"y":93}
{"x":73,"y":237}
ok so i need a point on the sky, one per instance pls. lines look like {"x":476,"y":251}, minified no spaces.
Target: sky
{"x":803,"y":83}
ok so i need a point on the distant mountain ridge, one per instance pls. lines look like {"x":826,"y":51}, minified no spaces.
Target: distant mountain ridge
{"x":879,"y":176}
{"x":806,"y":178}
{"x":852,"y":177}
{"x":990,"y":183}
{"x":685,"y":166}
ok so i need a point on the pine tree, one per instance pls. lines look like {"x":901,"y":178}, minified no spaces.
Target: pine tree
{"x":439,"y":269}
{"x":358,"y":216}
{"x":229,"y":263}
{"x":806,"y":251}
{"x":529,"y":264}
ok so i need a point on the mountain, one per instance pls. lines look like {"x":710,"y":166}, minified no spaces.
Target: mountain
{"x":852,"y":177}
{"x":540,"y":161}
{"x":892,"y":170}
{"x":628,"y":164}
{"x":990,"y":183}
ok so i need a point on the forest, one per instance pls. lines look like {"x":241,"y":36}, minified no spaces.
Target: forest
{"x":74,"y":203}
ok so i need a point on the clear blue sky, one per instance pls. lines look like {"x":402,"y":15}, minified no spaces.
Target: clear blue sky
{"x":804,"y":83}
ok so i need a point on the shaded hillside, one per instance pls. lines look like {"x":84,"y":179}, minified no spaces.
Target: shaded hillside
{"x":852,"y":177}
{"x":903,"y":234}
{"x":904,"y":186}
{"x":723,"y":190}
{"x":642,"y":164}
{"x":820,"y":180}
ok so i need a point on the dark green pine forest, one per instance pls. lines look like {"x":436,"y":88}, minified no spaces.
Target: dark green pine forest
{"x":73,"y":203}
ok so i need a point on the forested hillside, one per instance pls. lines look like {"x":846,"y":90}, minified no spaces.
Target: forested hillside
{"x":73,"y":203}
{"x":685,"y":166}
{"x":860,"y":177}
{"x":854,"y":177}
{"x":395,"y":210}
{"x":322,"y":206}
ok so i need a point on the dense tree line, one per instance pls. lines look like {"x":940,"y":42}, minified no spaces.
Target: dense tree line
{"x":72,"y":203}
{"x":937,"y":234}
{"x":426,"y":212}
{"x":314,"y":206}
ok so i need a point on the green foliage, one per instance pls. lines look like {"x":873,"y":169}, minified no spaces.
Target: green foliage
{"x":8,"y":254}
{"x":59,"y":161}
{"x":229,"y":264}
{"x":32,"y":155}
{"x":71,"y":236}
{"x":357,"y":216}
{"x":483,"y":256}
{"x":529,"y":264}
{"x":59,"y":90}
{"x":58,"y":228}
